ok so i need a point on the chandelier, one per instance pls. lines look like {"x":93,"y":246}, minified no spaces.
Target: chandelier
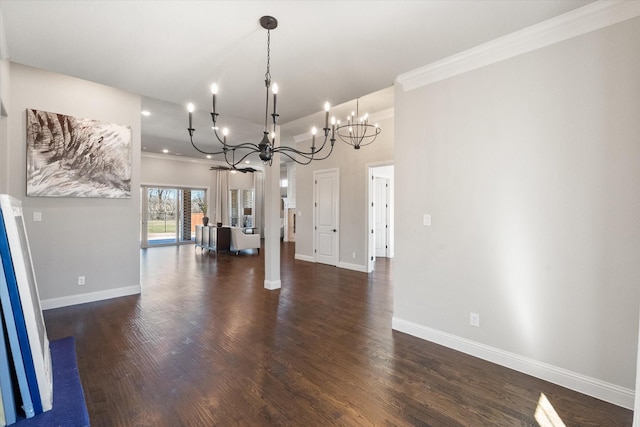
{"x":355,"y":132}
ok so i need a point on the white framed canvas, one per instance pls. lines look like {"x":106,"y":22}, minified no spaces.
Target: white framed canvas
{"x":73,"y":157}
{"x":21,"y":280}
{"x":7,"y":351}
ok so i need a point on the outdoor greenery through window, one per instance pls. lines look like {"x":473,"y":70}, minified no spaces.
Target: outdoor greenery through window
{"x":171,"y":214}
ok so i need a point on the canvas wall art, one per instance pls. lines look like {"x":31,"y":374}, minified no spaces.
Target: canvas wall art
{"x":72,"y":157}
{"x":24,"y":302}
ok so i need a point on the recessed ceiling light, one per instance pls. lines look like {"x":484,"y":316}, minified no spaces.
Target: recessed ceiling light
{"x":165,"y":151}
{"x":247,"y":161}
{"x":146,"y":113}
{"x":208,"y":156}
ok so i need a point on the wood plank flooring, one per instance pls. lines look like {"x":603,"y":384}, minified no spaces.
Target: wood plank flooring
{"x":205,"y":344}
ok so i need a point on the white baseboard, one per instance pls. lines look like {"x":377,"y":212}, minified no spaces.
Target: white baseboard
{"x":345,"y":265}
{"x":272,"y":284}
{"x":608,"y":392}
{"x":51,"y":303}
{"x":355,"y":267}
{"x":304,"y":258}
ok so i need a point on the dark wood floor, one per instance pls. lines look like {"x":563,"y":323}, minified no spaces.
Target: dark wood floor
{"x":205,"y":344}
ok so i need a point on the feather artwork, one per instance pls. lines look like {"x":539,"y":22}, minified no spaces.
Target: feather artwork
{"x":73,"y":157}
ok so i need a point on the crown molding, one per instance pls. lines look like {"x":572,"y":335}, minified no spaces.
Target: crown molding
{"x":591,"y":17}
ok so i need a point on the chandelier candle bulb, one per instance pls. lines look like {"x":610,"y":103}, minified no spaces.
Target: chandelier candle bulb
{"x":190,"y":108}
{"x":275,"y":97}
{"x":327,"y":107}
{"x":313,"y":138}
{"x":214,"y":92}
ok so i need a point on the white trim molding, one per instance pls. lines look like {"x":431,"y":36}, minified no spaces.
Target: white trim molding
{"x":344,"y":265}
{"x":608,"y":392}
{"x":307,"y":258}
{"x":51,"y":303}
{"x":350,"y":266}
{"x":272,"y":285}
{"x":591,"y":17}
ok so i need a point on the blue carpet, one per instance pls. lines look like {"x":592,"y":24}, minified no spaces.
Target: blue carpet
{"x":69,"y":408}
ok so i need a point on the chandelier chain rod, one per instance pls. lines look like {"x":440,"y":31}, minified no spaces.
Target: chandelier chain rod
{"x":267,"y":82}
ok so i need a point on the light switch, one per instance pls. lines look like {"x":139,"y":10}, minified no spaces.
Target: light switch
{"x":37,"y":216}
{"x":426,"y":220}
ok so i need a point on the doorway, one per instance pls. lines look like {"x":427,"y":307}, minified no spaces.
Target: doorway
{"x":169,"y":215}
{"x":325,"y":216}
{"x":381,"y":214}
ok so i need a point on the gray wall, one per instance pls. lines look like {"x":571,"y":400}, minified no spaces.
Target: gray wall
{"x":530,"y":170}
{"x":353,"y":194}
{"x":95,"y":238}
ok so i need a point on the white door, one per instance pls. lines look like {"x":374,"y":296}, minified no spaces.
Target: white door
{"x":326,"y":216}
{"x":381,"y":215}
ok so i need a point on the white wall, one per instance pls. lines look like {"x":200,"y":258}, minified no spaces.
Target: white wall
{"x":353,"y":220}
{"x":4,"y":129}
{"x":530,"y":170}
{"x":95,"y":238}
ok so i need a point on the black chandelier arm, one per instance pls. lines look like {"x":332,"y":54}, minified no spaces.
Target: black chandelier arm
{"x":309,"y":157}
{"x":233,"y":162}
{"x":295,"y":159}
{"x":202,"y":151}
{"x":226,"y":148}
{"x":313,"y":153}
{"x":243,"y":146}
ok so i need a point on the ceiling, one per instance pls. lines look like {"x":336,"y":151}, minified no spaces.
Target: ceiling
{"x":170,"y":52}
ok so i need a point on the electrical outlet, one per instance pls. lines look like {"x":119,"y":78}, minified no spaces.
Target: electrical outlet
{"x":474,"y":319}
{"x":353,"y":255}
{"x":80,"y":280}
{"x":37,"y":216}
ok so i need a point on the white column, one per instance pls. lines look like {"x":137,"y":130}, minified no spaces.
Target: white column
{"x":272,"y":222}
